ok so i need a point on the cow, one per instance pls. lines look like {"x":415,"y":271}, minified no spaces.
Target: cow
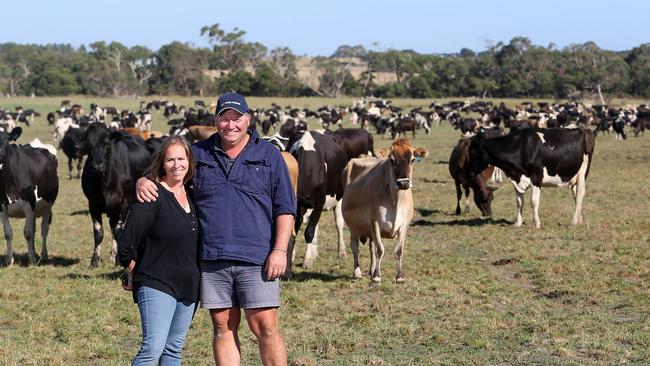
{"x":28,"y":189}
{"x":532,"y":158}
{"x":402,"y":126}
{"x":114,"y":162}
{"x":71,"y":139}
{"x":51,"y":118}
{"x":640,"y":125}
{"x":458,"y":168}
{"x":378,"y":203}
{"x":321,"y":161}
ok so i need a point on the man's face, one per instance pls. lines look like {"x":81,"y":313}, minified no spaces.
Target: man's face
{"x":232,"y":127}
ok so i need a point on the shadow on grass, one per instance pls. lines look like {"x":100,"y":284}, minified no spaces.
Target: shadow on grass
{"x":466,"y":222}
{"x":436,"y":181}
{"x":80,"y":212}
{"x":307,"y":276}
{"x":22,"y":260}
{"x":425,"y":212}
{"x":112,"y":276}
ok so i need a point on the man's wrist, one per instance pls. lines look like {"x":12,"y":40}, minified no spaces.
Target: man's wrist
{"x":280,"y":250}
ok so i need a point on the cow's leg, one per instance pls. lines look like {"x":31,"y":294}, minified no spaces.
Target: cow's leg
{"x":46,"y":220}
{"x":311,"y":249}
{"x":399,"y":251}
{"x":116,"y":225}
{"x":466,"y":189}
{"x":372,"y":250}
{"x":9,"y":259}
{"x":311,"y":234}
{"x":520,"y":208}
{"x":354,"y":245}
{"x":30,"y":229}
{"x":378,"y":251}
{"x":79,"y":161}
{"x":340,"y":223}
{"x":534,"y":201}
{"x":579,"y":194}
{"x":459,"y":195}
{"x":69,"y":168}
{"x":98,"y":235}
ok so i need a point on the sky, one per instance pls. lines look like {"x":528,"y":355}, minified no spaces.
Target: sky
{"x":318,"y":28}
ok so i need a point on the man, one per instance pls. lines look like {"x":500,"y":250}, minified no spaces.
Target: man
{"x":246,"y":209}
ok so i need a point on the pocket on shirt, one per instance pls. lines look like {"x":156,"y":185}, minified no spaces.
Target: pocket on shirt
{"x":207,"y":176}
{"x":256,"y":177}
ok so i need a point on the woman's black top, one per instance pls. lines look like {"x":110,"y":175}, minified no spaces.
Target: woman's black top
{"x":162,"y":239}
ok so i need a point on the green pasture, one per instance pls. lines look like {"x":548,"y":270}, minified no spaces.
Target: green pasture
{"x":478,"y":292}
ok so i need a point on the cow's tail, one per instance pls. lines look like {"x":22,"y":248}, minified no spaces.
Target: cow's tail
{"x":590,"y":143}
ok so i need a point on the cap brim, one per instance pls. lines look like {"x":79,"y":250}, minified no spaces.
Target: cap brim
{"x":227,"y":108}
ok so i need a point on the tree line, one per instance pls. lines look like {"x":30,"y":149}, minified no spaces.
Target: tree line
{"x":518,"y":69}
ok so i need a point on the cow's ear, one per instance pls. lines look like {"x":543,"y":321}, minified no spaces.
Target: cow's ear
{"x":420,"y":153}
{"x":15,"y":133}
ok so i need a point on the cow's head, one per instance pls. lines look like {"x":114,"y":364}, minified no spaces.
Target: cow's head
{"x":5,"y":139}
{"x":401,"y":157}
{"x":94,"y":142}
{"x":483,"y":195}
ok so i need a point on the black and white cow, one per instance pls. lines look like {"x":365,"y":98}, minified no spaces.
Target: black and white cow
{"x":114,"y":162}
{"x":71,"y":139}
{"x":533,"y":158}
{"x":28,"y":189}
{"x":321,"y":161}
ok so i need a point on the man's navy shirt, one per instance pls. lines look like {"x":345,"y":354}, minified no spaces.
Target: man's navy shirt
{"x":237,"y":208}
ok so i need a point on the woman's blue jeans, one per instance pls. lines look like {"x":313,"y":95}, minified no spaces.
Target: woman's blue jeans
{"x":165,"y":322}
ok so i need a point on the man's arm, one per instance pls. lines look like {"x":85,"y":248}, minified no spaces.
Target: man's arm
{"x":276,"y":263}
{"x":145,"y":190}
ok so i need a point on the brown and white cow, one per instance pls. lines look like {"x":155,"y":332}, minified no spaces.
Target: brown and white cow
{"x":378,"y":203}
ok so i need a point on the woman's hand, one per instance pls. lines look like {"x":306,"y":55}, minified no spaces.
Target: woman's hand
{"x":127,"y":280}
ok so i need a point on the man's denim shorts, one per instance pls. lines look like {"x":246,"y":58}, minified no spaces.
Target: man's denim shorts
{"x":228,"y":284}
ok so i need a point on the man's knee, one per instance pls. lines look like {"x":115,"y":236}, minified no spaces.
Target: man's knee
{"x":267,"y":331}
{"x":224,"y":321}
{"x":264,"y":324}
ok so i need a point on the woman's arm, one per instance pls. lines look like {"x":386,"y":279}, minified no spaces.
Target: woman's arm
{"x":137,"y":224}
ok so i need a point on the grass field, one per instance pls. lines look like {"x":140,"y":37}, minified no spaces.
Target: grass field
{"x":477,"y":293}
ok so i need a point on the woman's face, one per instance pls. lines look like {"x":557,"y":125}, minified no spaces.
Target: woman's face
{"x":175,"y":164}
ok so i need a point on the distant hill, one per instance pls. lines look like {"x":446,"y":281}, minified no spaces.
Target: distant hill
{"x":309,"y":72}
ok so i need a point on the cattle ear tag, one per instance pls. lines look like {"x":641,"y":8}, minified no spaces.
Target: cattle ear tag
{"x":418,"y":158}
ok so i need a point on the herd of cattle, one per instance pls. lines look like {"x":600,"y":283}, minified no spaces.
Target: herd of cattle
{"x":338,"y":168}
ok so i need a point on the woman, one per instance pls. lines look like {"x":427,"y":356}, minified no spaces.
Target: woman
{"x":159,"y":250}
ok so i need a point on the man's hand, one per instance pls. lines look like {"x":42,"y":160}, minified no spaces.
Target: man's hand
{"x":276,"y":263}
{"x":145,"y":190}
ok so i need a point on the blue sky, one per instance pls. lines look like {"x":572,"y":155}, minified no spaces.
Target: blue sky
{"x":319,"y":27}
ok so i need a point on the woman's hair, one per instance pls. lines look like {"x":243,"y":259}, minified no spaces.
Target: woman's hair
{"x":156,"y":170}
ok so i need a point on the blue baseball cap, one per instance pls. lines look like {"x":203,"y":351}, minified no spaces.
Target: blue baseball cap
{"x":231,"y":101}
